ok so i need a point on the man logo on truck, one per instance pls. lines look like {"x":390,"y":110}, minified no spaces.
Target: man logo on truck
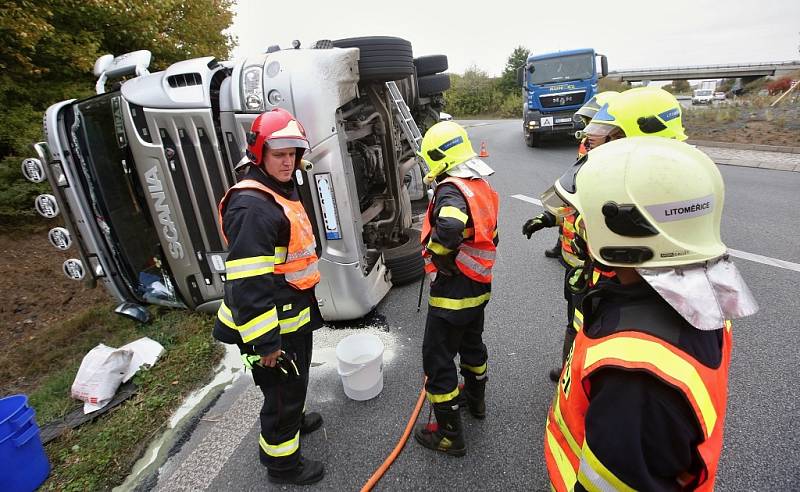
{"x":158,"y":196}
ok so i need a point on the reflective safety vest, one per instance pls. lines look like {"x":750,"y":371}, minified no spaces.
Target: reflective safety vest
{"x":298,"y":263}
{"x":568,"y":231}
{"x":582,"y":150}
{"x":477,"y":252}
{"x":567,"y":454}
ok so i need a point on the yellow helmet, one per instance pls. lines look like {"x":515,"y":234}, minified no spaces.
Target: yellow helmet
{"x":642,"y":111}
{"x":445,"y":146}
{"x":646,"y":202}
{"x":588,"y":110}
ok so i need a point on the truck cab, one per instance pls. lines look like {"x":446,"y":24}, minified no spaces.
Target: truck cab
{"x":554,"y":86}
{"x":137,"y":170}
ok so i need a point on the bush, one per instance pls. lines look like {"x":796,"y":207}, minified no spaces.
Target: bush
{"x":472,"y":94}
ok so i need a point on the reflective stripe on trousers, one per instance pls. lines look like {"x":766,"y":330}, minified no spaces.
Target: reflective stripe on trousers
{"x":282,"y":449}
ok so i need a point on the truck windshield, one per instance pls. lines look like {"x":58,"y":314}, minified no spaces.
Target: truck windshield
{"x":703,"y":93}
{"x":562,"y":69}
{"x":98,"y":140}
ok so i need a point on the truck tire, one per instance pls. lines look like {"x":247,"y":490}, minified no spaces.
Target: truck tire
{"x":382,"y":58}
{"x":433,"y":84}
{"x":405,"y":260}
{"x":532,"y":140}
{"x":430,"y":64}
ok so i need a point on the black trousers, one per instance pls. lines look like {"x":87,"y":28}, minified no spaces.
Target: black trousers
{"x":443,"y":340}
{"x":573,"y":301}
{"x":284,"y":402}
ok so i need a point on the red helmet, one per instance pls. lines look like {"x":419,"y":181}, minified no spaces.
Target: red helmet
{"x":277,"y":129}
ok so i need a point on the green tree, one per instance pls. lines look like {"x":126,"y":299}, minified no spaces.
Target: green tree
{"x":472,"y":94}
{"x":678,"y":87}
{"x":508,"y":80}
{"x":48,"y":48}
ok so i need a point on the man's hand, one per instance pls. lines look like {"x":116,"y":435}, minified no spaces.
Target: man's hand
{"x":271,"y":359}
{"x":544,"y":219}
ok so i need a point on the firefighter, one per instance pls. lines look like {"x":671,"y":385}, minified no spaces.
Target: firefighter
{"x":640,"y":404}
{"x":269,"y":309}
{"x":586,"y":113}
{"x":635,"y":112}
{"x":459,"y":236}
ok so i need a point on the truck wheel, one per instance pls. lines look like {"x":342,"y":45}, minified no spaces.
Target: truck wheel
{"x":532,"y":140}
{"x":431,"y":64}
{"x":405,"y":260}
{"x":433,"y":84}
{"x":382,"y":58}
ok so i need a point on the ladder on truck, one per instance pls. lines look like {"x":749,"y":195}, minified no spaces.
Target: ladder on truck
{"x":406,"y":122}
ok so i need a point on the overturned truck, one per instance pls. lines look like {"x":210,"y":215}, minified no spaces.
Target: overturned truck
{"x":137,"y":170}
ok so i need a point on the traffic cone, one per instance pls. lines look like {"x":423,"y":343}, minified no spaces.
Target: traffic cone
{"x":484,"y":152}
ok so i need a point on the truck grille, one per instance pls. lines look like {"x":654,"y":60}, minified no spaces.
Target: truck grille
{"x":192,"y":154}
{"x":562,"y":99}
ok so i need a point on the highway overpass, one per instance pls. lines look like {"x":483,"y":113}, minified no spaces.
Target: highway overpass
{"x":743,"y":70}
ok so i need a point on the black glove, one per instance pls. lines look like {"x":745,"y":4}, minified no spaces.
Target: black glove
{"x":445,"y":264}
{"x":286,"y":367}
{"x":544,"y":219}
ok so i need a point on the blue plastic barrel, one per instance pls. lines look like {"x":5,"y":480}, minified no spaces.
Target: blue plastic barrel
{"x":23,"y":464}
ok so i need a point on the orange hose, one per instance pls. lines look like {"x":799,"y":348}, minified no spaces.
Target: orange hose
{"x":400,"y":444}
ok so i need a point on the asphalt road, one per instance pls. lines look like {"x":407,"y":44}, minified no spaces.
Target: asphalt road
{"x":524,"y":326}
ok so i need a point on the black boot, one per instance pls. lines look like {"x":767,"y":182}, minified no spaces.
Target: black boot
{"x":448,"y":437}
{"x":305,"y":473}
{"x":311,"y":422}
{"x":474,"y":394}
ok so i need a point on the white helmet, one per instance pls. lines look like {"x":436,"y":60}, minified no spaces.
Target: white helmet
{"x":646,"y":202}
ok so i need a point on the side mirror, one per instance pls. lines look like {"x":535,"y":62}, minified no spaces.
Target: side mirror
{"x":531,"y":68}
{"x":603,"y":65}
{"x":520,"y":76}
{"x":102,"y":64}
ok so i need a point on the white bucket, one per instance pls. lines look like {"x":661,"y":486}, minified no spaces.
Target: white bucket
{"x":360,"y":358}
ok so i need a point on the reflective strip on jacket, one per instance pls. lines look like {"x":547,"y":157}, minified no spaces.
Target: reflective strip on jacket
{"x":476,"y":253}
{"x":299,"y":262}
{"x":568,"y":456}
{"x":567,"y":236}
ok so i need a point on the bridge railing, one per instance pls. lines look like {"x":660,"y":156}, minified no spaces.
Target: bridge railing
{"x":729,"y":66}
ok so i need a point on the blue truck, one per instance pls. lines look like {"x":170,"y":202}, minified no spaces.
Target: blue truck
{"x":554,"y":86}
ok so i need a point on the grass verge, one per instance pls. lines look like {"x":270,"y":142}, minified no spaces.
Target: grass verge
{"x":98,"y":455}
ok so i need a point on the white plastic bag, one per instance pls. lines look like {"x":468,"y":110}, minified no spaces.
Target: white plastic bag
{"x":145,"y":353}
{"x":99,"y":376}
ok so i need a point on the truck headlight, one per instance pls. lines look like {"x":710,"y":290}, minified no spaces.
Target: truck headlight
{"x":60,"y":238}
{"x":33,"y":170}
{"x":47,"y":206}
{"x":253,"y":88}
{"x":73,"y":268}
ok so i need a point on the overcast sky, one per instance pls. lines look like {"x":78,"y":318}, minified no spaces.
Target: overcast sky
{"x":633,"y":34}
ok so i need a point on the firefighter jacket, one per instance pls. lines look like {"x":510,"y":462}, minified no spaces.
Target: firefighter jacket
{"x":460,"y":233}
{"x":567,"y":236}
{"x":640,"y":404}
{"x":271,"y":268}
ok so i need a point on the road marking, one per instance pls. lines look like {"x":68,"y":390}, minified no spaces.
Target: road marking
{"x":765,"y":260}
